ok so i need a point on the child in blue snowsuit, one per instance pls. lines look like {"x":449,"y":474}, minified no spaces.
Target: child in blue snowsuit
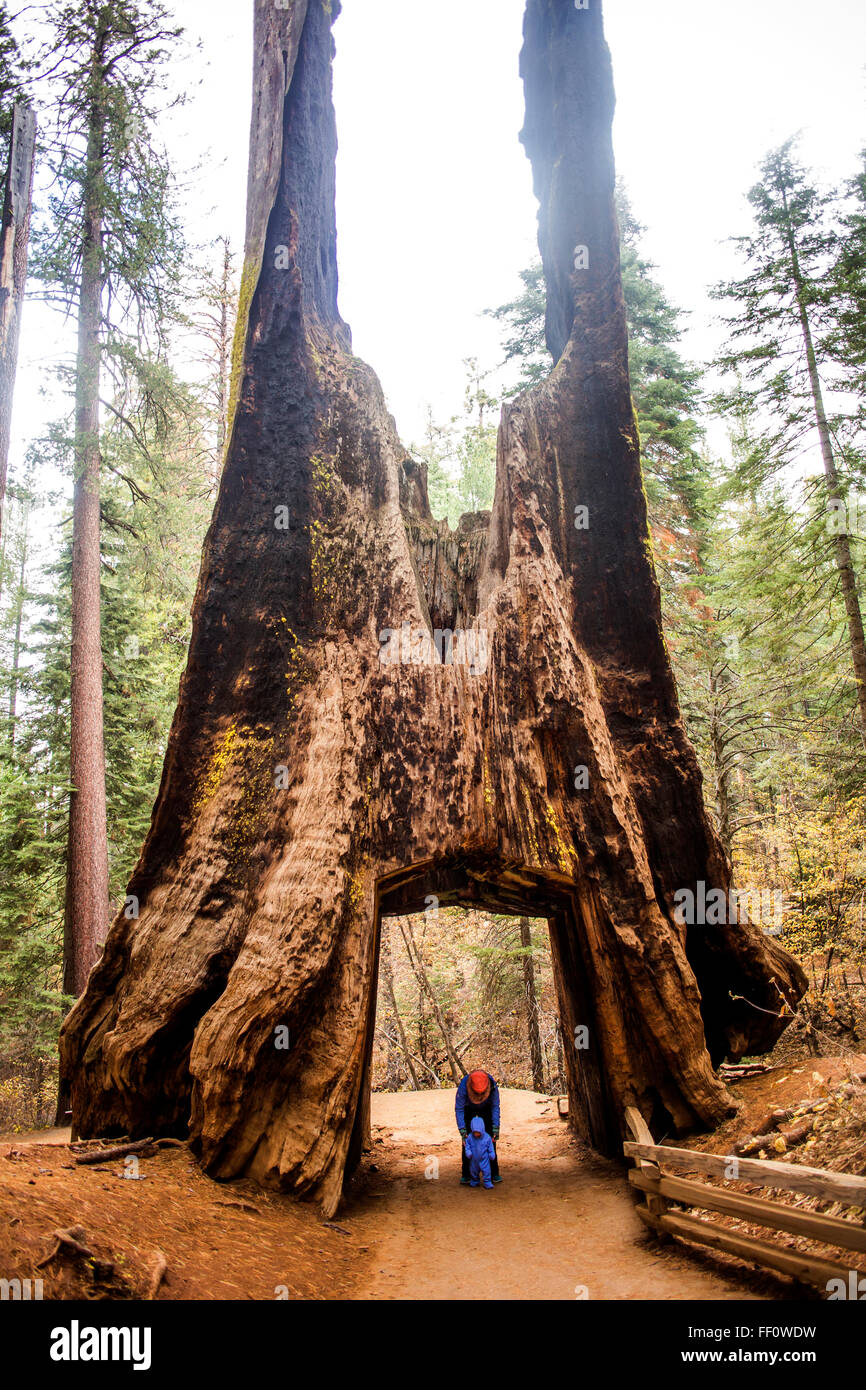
{"x":479,"y":1151}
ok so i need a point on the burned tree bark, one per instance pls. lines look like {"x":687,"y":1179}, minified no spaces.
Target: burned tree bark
{"x":337,"y":754}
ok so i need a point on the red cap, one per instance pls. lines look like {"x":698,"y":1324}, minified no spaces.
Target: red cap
{"x":479,"y":1084}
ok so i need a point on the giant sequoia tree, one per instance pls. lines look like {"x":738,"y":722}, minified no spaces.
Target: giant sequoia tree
{"x":340,"y":752}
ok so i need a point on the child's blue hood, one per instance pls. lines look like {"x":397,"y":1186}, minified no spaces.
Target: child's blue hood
{"x":478,"y":1125}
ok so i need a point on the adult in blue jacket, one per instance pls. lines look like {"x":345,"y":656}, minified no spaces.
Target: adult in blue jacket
{"x":477,"y":1094}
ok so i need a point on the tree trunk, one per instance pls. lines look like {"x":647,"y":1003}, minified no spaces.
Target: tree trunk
{"x":560,"y":1057}
{"x":720,"y":764}
{"x":416,"y":961}
{"x":532,"y":1027}
{"x":841,"y":539}
{"x":223,"y":354}
{"x":14,"y":242}
{"x":86,"y":910}
{"x":19,"y":619}
{"x":392,"y":1000}
{"x":418,"y":768}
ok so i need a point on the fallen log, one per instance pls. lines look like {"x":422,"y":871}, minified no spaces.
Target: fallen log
{"x":754,"y":1142}
{"x":793,"y":1136}
{"x":729,"y":1069}
{"x":774,"y":1119}
{"x":797,"y":1133}
{"x":118,"y":1151}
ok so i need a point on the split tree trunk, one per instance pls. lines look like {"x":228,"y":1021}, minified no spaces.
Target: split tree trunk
{"x":400,"y":776}
{"x":14,"y":243}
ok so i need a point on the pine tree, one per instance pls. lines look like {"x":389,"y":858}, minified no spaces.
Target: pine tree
{"x":665,"y":389}
{"x":476,"y":452}
{"x":523,"y":319}
{"x":12,"y":71}
{"x":109,"y":254}
{"x":777,"y":329}
{"x":847,"y":301}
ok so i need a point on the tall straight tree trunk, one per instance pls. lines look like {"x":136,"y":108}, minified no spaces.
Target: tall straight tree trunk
{"x":19,"y":618}
{"x":224,"y":348}
{"x":14,"y":240}
{"x":86,"y":913}
{"x":841,"y":540}
{"x":720,"y":767}
{"x":535,"y":1055}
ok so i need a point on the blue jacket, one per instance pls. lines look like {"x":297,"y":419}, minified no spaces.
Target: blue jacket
{"x":479,"y":1145}
{"x":462,"y":1101}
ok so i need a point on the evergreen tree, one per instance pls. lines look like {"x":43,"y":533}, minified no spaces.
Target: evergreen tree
{"x":777,"y":331}
{"x":847,"y":296}
{"x":523,"y":319}
{"x":476,"y":453}
{"x":109,"y":253}
{"x":461,"y":456}
{"x":12,"y":71}
{"x":665,"y":388}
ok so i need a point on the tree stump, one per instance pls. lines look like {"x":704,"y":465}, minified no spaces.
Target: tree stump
{"x":380,"y":715}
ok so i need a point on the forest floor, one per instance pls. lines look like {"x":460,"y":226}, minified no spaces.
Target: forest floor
{"x":826,"y":1096}
{"x":562,"y":1224}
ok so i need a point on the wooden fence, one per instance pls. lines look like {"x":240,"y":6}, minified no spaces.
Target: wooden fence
{"x":650,"y":1176}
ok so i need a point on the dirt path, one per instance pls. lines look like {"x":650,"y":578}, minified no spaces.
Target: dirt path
{"x":562,"y":1219}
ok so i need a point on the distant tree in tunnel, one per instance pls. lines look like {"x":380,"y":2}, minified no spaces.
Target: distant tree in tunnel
{"x":531,"y":999}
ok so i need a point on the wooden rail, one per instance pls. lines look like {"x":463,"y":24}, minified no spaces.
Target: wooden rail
{"x":660,"y":1189}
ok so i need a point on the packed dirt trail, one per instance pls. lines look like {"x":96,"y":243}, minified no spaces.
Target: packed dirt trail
{"x":562,"y":1225}
{"x":561,"y":1222}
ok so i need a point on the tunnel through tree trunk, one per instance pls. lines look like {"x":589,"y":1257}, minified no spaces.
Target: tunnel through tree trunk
{"x":334,"y":756}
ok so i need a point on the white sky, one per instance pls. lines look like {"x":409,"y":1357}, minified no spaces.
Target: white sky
{"x":435,"y":208}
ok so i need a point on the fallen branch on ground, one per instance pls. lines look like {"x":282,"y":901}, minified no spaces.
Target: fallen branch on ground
{"x":70,"y":1241}
{"x":118,"y":1151}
